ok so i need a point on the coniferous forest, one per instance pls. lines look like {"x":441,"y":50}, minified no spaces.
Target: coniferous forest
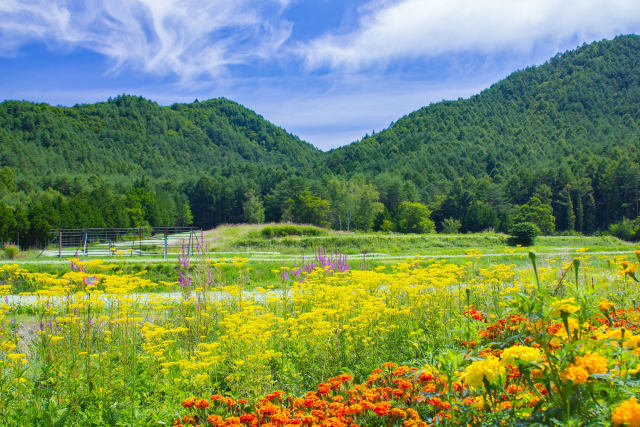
{"x":556,"y":145}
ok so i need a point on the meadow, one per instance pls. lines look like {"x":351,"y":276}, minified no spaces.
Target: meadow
{"x":486,"y":336}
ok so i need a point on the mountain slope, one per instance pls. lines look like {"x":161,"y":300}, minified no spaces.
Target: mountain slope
{"x":133,"y":136}
{"x":579,"y":105}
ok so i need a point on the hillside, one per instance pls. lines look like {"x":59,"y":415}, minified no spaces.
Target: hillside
{"x":131,"y":136}
{"x":578,"y":107}
{"x":554,"y":144}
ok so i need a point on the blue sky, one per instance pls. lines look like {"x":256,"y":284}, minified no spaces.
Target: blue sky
{"x":329,"y":71}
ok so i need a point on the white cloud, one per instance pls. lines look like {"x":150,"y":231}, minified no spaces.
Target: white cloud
{"x":390,"y":30}
{"x":187,"y":38}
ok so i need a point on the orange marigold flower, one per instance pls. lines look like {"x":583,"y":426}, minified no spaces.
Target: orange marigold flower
{"x":397,"y":412}
{"x":389,"y":365}
{"x":401,"y":371}
{"x":435,"y":401}
{"x":594,"y":363}
{"x":404,"y":384}
{"x":429,"y":388}
{"x":368,"y":405}
{"x":575,"y":374}
{"x":627,"y":414}
{"x":268,"y":409}
{"x":382,"y":408}
{"x":189,"y":403}
{"x":308,"y":419}
{"x":324,"y":388}
{"x":248,"y":418}
{"x":188,"y":419}
{"x":214,"y":419}
{"x":505,"y":405}
{"x":397,"y":392}
{"x":202,"y":404}
{"x":425,"y":376}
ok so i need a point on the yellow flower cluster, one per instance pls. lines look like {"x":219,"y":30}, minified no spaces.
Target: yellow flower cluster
{"x":490,"y":369}
{"x":627,"y":414}
{"x":575,"y":374}
{"x":520,"y":352}
{"x":594,"y":363}
{"x":564,"y":307}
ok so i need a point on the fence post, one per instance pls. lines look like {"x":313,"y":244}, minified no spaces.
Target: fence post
{"x":84,"y":250}
{"x":165,"y":242}
{"x":59,"y":243}
{"x":140,"y":237}
{"x":189,"y":249}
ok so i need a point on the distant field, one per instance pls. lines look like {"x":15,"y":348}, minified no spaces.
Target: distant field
{"x":376,"y":249}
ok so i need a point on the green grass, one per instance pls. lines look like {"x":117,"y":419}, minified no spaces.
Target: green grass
{"x":268,"y":254}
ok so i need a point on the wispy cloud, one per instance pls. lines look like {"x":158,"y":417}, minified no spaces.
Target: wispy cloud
{"x":390,"y":30}
{"x":186,"y":38}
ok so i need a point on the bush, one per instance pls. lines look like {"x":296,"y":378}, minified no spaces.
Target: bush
{"x":450,"y":226}
{"x":625,"y":230}
{"x":414,"y":218}
{"x":11,"y":251}
{"x":271,"y":231}
{"x":523,"y":233}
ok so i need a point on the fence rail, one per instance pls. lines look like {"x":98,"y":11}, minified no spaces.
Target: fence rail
{"x":143,"y":241}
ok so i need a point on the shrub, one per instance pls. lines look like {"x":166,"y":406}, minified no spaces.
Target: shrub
{"x":271,"y":231}
{"x":11,"y":251}
{"x":414,"y":218}
{"x":451,"y":226}
{"x":523,"y":233}
{"x":625,"y":230}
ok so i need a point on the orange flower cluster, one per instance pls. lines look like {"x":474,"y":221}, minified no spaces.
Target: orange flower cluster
{"x":391,"y":395}
{"x":402,"y":395}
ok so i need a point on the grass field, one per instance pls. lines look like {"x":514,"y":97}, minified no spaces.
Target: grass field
{"x":449,"y":336}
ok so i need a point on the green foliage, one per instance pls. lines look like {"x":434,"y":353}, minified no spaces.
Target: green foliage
{"x":564,"y":133}
{"x":414,"y":218}
{"x":451,"y":226}
{"x":253,"y":209}
{"x":626,"y":230}
{"x":271,"y":231}
{"x":11,"y":251}
{"x":354,"y":204}
{"x":537,"y":213}
{"x":573,"y":122}
{"x":480,"y":216}
{"x":523,"y":233}
{"x":307,"y":208}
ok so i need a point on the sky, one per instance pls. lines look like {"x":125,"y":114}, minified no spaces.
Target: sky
{"x":328,"y":71}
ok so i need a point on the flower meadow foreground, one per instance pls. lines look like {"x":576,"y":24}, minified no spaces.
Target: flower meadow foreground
{"x":421,"y":342}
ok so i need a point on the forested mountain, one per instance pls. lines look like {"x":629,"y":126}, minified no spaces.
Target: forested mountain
{"x":131,"y":136}
{"x":572,"y":124}
{"x":555,"y":145}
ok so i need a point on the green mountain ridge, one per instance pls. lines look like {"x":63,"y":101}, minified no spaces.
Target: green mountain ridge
{"x":556,"y":142}
{"x":578,"y":106}
{"x":131,"y":136}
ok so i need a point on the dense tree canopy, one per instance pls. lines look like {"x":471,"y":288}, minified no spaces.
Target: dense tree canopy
{"x":554,"y":145}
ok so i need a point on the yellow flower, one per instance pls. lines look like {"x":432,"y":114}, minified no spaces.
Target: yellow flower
{"x":627,"y":414}
{"x":606,"y":305}
{"x":564,"y":306}
{"x":16,"y":356}
{"x":490,"y":369}
{"x":632,"y":342}
{"x":575,"y":374}
{"x":520,"y":352}
{"x":594,"y":363}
